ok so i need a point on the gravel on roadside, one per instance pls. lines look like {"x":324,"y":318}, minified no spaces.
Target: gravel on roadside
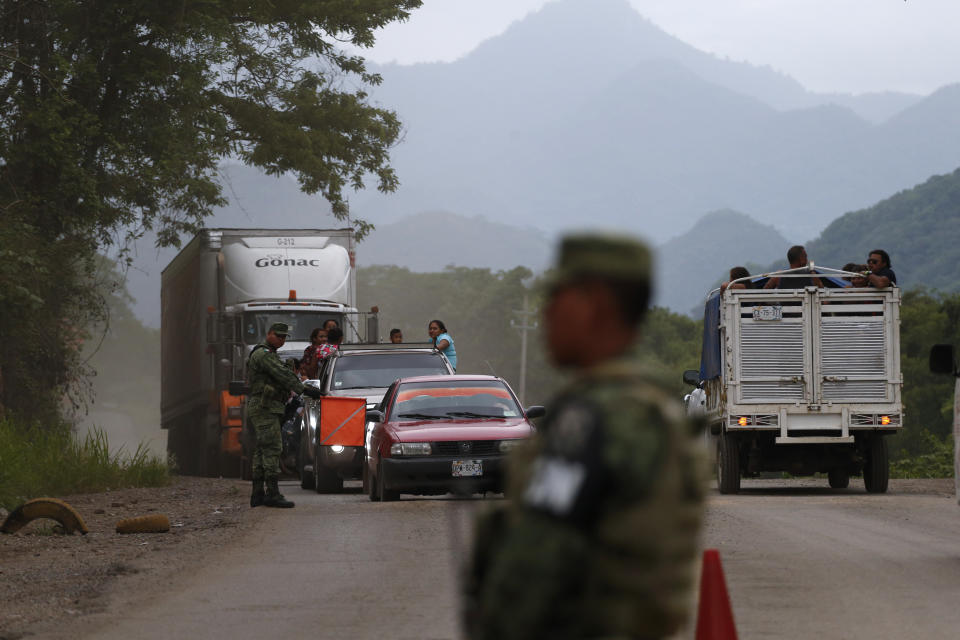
{"x":50,"y":581}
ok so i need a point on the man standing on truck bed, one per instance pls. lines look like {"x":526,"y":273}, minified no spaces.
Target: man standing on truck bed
{"x":270,"y":385}
{"x":601,"y":536}
{"x":797,"y":258}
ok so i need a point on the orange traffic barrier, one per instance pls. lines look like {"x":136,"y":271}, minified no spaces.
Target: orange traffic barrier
{"x":342,"y":421}
{"x":714,"y":615}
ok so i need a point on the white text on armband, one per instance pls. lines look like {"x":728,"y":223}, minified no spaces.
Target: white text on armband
{"x":554,"y":485}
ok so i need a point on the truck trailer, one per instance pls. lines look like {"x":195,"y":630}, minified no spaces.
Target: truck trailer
{"x":219,"y":296}
{"x":804,"y":380}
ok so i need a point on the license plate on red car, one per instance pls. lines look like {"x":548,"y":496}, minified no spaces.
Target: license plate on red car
{"x":467,"y":468}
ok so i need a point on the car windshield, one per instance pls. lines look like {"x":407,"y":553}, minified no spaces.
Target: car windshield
{"x":381,"y":369}
{"x":256,"y":324}
{"x":473,"y":399}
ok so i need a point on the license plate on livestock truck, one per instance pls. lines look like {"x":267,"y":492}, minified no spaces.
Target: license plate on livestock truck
{"x":467,"y":468}
{"x":768,"y":313}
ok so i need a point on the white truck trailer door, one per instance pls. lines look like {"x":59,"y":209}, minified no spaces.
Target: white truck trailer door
{"x":774,"y":346}
{"x":851,"y":353}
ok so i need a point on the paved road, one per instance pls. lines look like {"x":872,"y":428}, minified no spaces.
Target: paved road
{"x":801,"y":561}
{"x":336,"y":566}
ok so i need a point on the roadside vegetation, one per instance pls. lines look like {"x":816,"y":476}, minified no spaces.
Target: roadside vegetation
{"x":114,"y":118}
{"x":936,"y":462}
{"x":53,"y":462}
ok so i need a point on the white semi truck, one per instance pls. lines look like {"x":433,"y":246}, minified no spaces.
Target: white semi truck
{"x":219,"y":296}
{"x":804,"y":380}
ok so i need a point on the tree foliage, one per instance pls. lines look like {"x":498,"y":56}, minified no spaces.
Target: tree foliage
{"x":479,"y":308}
{"x":926,"y":319}
{"x":114,"y":116}
{"x":918,"y":227}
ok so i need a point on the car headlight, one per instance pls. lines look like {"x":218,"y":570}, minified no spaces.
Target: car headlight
{"x":410,"y":449}
{"x":336,"y":448}
{"x":507,"y":446}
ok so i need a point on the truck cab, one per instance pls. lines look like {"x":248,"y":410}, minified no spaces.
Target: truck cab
{"x":803,"y":380}
{"x":219,"y":296}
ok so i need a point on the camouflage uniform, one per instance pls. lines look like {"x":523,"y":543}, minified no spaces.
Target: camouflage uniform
{"x":599,"y":538}
{"x":270,"y":385}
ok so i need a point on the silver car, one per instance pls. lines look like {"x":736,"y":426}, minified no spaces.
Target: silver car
{"x":356,"y":371}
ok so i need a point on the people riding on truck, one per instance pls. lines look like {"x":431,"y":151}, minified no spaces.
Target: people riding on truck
{"x":797,"y":258}
{"x":804,"y":375}
{"x":881,"y":275}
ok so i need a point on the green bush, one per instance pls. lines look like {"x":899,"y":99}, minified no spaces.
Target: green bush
{"x":52,"y":462}
{"x":934,"y":461}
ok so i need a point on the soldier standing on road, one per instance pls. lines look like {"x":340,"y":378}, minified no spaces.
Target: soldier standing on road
{"x":599,"y":538}
{"x":270,"y":385}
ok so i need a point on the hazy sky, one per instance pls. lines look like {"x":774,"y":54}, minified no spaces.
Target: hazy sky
{"x":828,"y":45}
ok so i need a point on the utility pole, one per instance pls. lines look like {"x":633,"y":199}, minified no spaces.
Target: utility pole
{"x":524,"y":324}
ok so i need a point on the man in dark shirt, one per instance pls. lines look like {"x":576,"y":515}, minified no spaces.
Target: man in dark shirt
{"x":797,"y":257}
{"x":881,"y":275}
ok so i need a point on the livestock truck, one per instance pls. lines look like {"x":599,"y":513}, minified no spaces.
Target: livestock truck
{"x":801,"y":380}
{"x":219,"y":296}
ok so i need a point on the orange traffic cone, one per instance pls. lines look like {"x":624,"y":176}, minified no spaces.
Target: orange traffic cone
{"x":714,"y":615}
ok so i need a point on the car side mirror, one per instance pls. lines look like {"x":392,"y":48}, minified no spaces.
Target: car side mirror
{"x":312,"y":383}
{"x":942,"y":360}
{"x":536,"y":411}
{"x":374,"y":416}
{"x":238,"y":388}
{"x":691,"y":377}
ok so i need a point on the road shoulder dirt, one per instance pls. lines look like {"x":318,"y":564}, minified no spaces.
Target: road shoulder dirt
{"x":53,"y":584}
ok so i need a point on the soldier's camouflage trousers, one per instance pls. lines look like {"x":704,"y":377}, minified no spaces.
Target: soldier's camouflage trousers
{"x":266,"y":452}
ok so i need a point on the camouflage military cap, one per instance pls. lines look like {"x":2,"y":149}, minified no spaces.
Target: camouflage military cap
{"x":620,"y":258}
{"x":280,"y":329}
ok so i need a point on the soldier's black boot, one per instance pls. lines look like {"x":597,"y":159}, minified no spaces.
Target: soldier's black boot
{"x":274,"y":498}
{"x":257,"y":495}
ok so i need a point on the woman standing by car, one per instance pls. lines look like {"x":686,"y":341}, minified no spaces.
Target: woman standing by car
{"x":311,"y":355}
{"x":442,"y":341}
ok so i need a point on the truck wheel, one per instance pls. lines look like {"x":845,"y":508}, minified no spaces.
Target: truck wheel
{"x":385,"y":495}
{"x":876,"y":471}
{"x":838,"y":478}
{"x":728,"y":464}
{"x":325,"y":480}
{"x":307,"y":481}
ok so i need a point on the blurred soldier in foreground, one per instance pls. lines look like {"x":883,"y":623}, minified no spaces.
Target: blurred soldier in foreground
{"x":599,"y":536}
{"x":270,"y":385}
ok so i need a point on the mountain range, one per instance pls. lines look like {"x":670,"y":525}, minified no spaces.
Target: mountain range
{"x":918,"y":227}
{"x":587,"y":115}
{"x":585,"y":112}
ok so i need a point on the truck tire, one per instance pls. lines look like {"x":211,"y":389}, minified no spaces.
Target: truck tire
{"x":728,"y":464}
{"x":50,"y":508}
{"x":325,"y":480}
{"x":876,"y":471}
{"x":838,"y":478}
{"x":384,"y":494}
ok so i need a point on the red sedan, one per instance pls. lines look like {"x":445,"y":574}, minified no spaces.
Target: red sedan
{"x":441,"y":434}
